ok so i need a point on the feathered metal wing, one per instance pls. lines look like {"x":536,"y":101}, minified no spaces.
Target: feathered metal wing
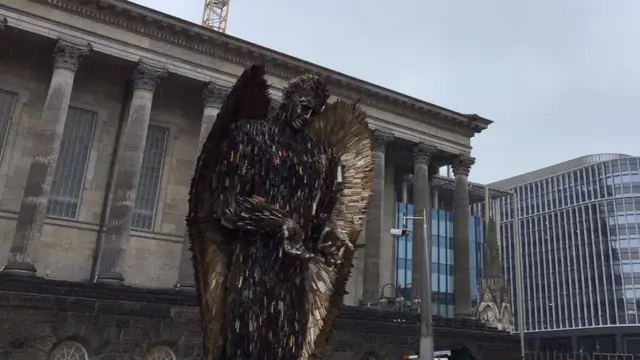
{"x":248,"y":99}
{"x":344,"y":126}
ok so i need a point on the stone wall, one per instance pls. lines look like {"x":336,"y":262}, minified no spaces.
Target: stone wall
{"x":38,"y":316}
{"x":67,"y":248}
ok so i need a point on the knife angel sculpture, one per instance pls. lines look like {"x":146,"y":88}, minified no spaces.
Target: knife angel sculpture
{"x":276,"y":206}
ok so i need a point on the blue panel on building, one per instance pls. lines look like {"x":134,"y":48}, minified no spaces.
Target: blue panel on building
{"x":441,"y":257}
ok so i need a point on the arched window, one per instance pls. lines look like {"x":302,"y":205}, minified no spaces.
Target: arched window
{"x":69,"y":350}
{"x":161,"y":353}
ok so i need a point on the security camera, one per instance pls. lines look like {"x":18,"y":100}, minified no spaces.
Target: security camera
{"x":399,"y":232}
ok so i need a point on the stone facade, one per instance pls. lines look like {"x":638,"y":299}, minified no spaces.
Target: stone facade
{"x":127,"y":323}
{"x":103,"y":107}
{"x":133,"y":68}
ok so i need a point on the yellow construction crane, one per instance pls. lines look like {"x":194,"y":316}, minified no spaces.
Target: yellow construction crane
{"x":215,"y":15}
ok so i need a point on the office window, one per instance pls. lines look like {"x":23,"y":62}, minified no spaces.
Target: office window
{"x":7,"y":101}
{"x":68,"y":178}
{"x":150,"y":175}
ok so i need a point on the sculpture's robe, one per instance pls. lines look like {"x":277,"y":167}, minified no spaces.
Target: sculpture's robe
{"x":266,"y":296}
{"x":260,"y":296}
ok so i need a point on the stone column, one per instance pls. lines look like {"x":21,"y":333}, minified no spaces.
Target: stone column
{"x":373,"y":227}
{"x":435,"y":198}
{"x":461,"y":267}
{"x":422,"y":155}
{"x":213,"y":95}
{"x":406,"y":180}
{"x":127,"y":173}
{"x":47,"y":137}
{"x":3,"y":23}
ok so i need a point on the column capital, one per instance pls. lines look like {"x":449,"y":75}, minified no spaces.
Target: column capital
{"x":380,"y":139}
{"x":67,"y":55}
{"x":462,"y":165}
{"x":422,"y":153}
{"x":146,"y":76}
{"x":3,"y":23}
{"x":214,"y":94}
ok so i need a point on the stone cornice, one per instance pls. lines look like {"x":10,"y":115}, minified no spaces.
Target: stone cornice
{"x":150,"y":23}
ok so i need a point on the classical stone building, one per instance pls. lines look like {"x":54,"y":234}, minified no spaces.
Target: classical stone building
{"x":103,"y":107}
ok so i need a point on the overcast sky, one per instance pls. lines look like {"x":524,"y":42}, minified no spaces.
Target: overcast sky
{"x":561,"y":79}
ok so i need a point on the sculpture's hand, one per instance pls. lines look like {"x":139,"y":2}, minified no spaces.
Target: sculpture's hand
{"x":255,"y":214}
{"x":292,"y":240}
{"x":333,"y":243}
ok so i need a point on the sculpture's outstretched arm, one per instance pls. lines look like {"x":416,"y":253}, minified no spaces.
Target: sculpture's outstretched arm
{"x":255,"y":214}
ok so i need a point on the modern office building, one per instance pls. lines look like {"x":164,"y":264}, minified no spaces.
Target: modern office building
{"x":578,"y":224}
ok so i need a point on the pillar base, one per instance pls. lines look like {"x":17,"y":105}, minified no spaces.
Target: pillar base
{"x":110,"y":278}
{"x":20,"y":268}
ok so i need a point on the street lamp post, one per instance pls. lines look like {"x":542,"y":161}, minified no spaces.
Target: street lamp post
{"x":426,"y":317}
{"x":519,"y":277}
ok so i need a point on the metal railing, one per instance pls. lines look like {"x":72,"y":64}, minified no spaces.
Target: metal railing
{"x":578,"y":356}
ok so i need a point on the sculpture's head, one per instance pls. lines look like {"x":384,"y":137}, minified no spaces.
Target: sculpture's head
{"x":304,"y":97}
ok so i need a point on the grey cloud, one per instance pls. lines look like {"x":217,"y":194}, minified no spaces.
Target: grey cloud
{"x":559,"y":78}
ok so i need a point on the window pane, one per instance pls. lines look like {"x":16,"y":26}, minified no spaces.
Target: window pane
{"x":68,"y":179}
{"x":443,"y":286}
{"x":150,"y":174}
{"x":434,"y":282}
{"x":402,"y":276}
{"x":7,"y":100}
{"x":442,"y":222}
{"x":402,"y":247}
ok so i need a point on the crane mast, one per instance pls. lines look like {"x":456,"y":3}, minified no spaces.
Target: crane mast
{"x":215,"y":15}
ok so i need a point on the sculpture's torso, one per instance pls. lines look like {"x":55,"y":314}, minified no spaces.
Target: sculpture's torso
{"x":266,"y":299}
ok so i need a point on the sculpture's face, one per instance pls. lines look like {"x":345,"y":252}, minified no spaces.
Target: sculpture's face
{"x":304,"y":97}
{"x":303,"y":106}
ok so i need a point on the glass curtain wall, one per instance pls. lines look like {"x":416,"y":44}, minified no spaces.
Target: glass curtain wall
{"x":580,"y":236}
{"x":441,"y":256}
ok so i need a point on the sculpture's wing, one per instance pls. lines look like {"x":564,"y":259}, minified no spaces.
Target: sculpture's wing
{"x":248,"y":99}
{"x":343,"y":125}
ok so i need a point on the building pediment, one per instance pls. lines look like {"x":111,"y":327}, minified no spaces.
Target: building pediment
{"x":154,"y":24}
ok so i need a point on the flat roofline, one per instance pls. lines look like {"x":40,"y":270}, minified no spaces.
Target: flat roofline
{"x":556,"y":169}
